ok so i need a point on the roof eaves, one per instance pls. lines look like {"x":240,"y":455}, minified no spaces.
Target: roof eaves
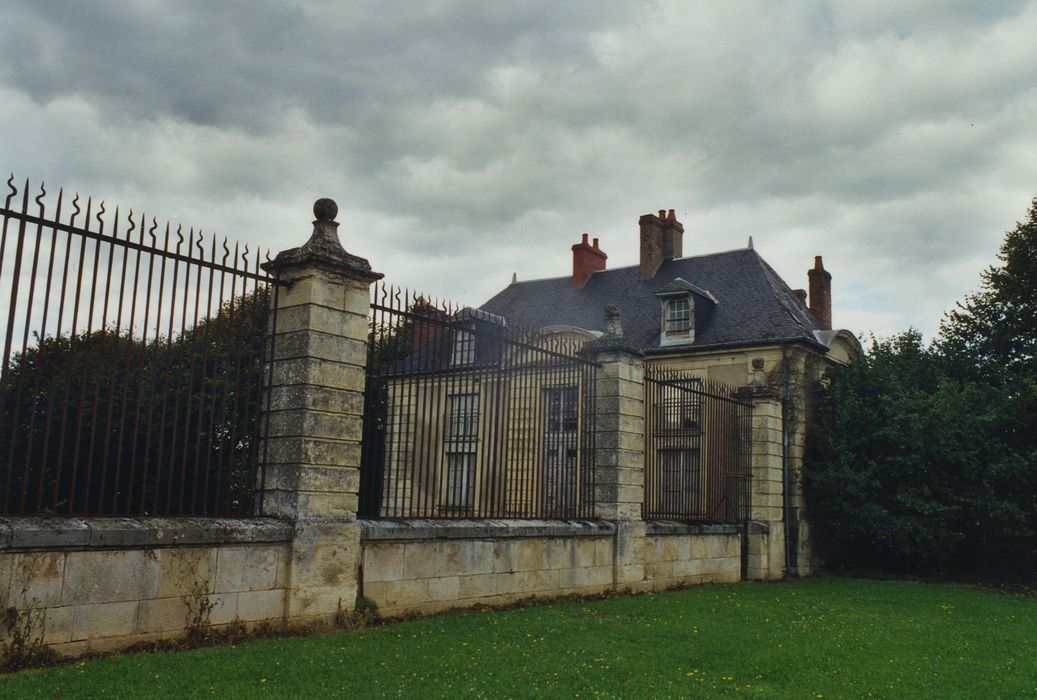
{"x":691,"y":349}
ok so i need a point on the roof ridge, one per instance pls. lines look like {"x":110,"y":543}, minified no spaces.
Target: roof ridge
{"x":636,"y":265}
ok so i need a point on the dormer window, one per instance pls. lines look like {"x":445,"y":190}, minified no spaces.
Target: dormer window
{"x":682,"y":307}
{"x":464,"y":346}
{"x":472,"y":327}
{"x":678,"y":317}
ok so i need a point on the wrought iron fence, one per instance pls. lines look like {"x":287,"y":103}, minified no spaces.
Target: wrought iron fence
{"x":467,"y":416}
{"x":697,"y":449}
{"x":131,"y":377}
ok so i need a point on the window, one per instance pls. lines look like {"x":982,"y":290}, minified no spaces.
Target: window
{"x":678,"y":435}
{"x":562,"y":409}
{"x":463,"y":410}
{"x":678,"y":317}
{"x":679,"y":477}
{"x":460,"y":479}
{"x":462,"y":436}
{"x":561,"y":453}
{"x":464,"y":347}
{"x":679,"y":407}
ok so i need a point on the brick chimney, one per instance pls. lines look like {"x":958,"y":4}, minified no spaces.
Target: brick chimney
{"x":587,"y":259}
{"x":662,"y":238}
{"x":820,"y":283}
{"x":426,"y":332}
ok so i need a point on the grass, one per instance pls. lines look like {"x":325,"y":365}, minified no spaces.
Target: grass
{"x":819,"y":638}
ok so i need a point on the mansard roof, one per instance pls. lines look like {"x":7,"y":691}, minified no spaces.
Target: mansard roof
{"x":753,"y":305}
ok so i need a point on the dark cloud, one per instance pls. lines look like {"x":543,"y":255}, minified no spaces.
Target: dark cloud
{"x":474,"y":136}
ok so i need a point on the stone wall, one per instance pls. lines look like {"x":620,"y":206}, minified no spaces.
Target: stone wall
{"x":105,"y":584}
{"x":425,"y":566}
{"x":684,"y":555}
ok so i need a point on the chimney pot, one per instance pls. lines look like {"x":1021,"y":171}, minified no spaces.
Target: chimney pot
{"x":671,"y":216}
{"x":662,"y":213}
{"x":426,"y":330}
{"x":586,"y":261}
{"x":820,"y":284}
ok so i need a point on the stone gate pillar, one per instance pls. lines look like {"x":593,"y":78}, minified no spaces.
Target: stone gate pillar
{"x":312,"y":470}
{"x":767,"y":527}
{"x":619,"y":446}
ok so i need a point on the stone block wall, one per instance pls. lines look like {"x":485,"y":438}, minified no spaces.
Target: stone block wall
{"x":425,"y":566}
{"x":689,"y":555}
{"x":104,"y":585}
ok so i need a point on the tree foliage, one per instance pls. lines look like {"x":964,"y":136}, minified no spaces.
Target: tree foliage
{"x":107,"y":424}
{"x":992,"y":335}
{"x":924,"y":459}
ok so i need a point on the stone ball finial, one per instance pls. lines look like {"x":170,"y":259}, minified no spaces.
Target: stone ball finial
{"x":325,"y":209}
{"x":757,"y":363}
{"x":611,"y":311}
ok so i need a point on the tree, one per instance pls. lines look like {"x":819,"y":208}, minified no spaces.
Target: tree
{"x":991,"y":338}
{"x":924,"y":459}
{"x":104,"y":423}
{"x":891,"y":462}
{"x":992,"y":335}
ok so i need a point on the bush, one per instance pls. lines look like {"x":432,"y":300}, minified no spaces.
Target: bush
{"x":910,"y":470}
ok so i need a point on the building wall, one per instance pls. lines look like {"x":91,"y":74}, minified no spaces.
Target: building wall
{"x":675,"y":559}
{"x":805,"y":366}
{"x":511,"y":404}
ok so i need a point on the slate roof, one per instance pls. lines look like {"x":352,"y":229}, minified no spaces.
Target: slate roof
{"x":753,"y":304}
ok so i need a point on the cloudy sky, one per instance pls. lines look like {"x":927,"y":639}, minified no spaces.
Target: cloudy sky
{"x":465,"y":141}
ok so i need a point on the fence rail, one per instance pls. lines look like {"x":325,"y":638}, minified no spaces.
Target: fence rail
{"x":131,"y":376}
{"x":697,"y":449}
{"x":467,"y":416}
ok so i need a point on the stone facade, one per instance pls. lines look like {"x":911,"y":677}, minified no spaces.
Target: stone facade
{"x":766,"y":537}
{"x":488,"y":565}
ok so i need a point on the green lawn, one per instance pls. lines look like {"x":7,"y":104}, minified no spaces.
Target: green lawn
{"x":804,"y":639}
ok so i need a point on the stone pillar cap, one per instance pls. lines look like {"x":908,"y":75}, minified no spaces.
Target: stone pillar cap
{"x":323,"y":248}
{"x":613,"y":339}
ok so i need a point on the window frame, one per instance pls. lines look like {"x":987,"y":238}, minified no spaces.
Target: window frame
{"x":462,"y":351}
{"x":460,"y":450}
{"x":676,"y":318}
{"x":675,"y":315}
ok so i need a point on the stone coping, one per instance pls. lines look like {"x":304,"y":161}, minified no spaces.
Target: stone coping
{"x":120,"y":533}
{"x":427,"y":529}
{"x":673,"y":527}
